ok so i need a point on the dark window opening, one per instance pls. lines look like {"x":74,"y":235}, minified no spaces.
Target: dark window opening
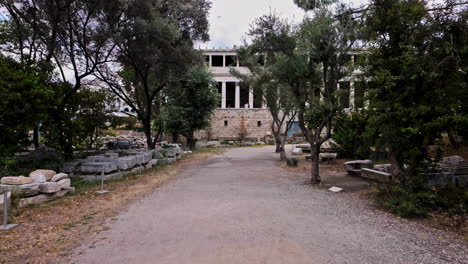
{"x":126,"y":110}
{"x":259,"y":123}
{"x":359,"y":91}
{"x":207,"y":58}
{"x":344,"y":59}
{"x":344,"y":94}
{"x":261,"y":60}
{"x":225,"y":123}
{"x":230,"y":95}
{"x":244,"y":97}
{"x":217,"y":61}
{"x":231,"y":61}
{"x":219,"y":87}
{"x":258,"y":98}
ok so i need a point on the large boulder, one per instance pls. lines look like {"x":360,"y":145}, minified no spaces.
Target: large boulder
{"x":38,"y":178}
{"x":49,"y":187}
{"x":64,"y":184}
{"x":59,"y":177}
{"x":125,"y":163}
{"x":16,"y":180}
{"x":47,"y":173}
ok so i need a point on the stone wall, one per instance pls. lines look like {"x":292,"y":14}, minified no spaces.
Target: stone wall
{"x":257,"y":123}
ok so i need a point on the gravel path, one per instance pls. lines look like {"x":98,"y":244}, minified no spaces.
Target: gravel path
{"x":242,"y":208}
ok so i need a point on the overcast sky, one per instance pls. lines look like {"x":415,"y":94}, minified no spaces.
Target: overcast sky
{"x":230,"y":19}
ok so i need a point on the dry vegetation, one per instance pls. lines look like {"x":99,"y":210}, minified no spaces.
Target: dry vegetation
{"x":48,"y":232}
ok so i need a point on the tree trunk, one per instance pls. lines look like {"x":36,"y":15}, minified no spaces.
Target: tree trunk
{"x":150,"y":143}
{"x":191,"y":141}
{"x":36,"y":137}
{"x":395,"y":169}
{"x":279,"y":145}
{"x":315,"y":170}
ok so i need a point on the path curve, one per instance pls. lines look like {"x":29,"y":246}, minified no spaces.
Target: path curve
{"x":240,"y":207}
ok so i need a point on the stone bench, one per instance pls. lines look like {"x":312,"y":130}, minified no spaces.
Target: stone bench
{"x":376,"y":175}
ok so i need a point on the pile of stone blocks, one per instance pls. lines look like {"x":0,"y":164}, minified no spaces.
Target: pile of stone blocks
{"x":169,"y":153}
{"x":366,"y":169}
{"x":41,"y":186}
{"x":111,"y":165}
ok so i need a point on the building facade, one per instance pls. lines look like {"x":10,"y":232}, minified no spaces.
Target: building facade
{"x":241,"y":113}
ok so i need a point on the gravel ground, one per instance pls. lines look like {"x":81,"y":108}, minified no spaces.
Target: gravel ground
{"x":241,"y":208}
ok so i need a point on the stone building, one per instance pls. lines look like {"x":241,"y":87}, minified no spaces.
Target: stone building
{"x":241,"y":112}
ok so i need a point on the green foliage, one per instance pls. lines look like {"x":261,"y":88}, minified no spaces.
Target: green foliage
{"x":352,"y":135}
{"x":24,"y":102}
{"x":191,"y":102}
{"x":409,"y":202}
{"x":417,"y":67}
{"x":18,"y":167}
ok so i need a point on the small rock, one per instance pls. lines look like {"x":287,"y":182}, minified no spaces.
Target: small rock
{"x":59,"y":177}
{"x":335,"y":189}
{"x":16,"y":180}
{"x":49,"y":187}
{"x":64,"y":184}
{"x":47,"y":173}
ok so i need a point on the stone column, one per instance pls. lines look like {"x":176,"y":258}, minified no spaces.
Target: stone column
{"x":351,"y":94}
{"x":237,"y":95}
{"x":251,"y":98}
{"x":223,"y":95}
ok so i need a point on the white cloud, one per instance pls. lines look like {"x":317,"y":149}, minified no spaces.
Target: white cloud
{"x":230,"y":19}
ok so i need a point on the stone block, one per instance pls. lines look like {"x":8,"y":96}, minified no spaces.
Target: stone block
{"x":439,"y":179}
{"x":49,"y":187}
{"x":97,"y":158}
{"x":125,"y":163}
{"x":163,"y":161}
{"x":38,"y":178}
{"x":25,"y":190}
{"x":47,"y":173}
{"x":169,"y":152}
{"x":335,"y":189}
{"x":461,"y":180}
{"x":157,"y":154}
{"x":97,"y":167}
{"x":73,"y":166}
{"x":171,"y":160}
{"x":42,"y":198}
{"x":112,"y":155}
{"x":154,"y":162}
{"x":59,"y":177}
{"x":64,"y":184}
{"x":327,"y":157}
{"x":20,"y":180}
{"x":376,"y":175}
{"x":354,"y":167}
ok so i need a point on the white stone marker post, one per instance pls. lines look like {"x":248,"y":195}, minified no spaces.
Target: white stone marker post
{"x":5,"y":225}
{"x":102,"y":191}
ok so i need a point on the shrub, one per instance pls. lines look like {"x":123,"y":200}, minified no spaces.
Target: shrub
{"x":351,"y":134}
{"x":410,"y":203}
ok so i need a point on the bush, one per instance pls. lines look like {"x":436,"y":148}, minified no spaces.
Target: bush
{"x":18,"y":167}
{"x":351,"y":134}
{"x":409,"y":203}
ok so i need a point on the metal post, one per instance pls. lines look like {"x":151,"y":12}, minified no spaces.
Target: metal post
{"x":102,"y":191}
{"x":5,"y":225}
